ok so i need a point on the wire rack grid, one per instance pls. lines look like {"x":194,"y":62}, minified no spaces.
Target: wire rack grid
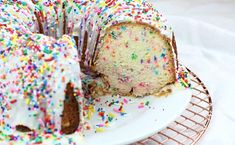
{"x":191,"y":124}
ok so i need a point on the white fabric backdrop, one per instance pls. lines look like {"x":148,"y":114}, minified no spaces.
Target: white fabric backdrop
{"x":205,"y":34}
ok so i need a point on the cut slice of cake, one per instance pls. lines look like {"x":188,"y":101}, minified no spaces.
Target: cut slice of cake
{"x":135,"y":59}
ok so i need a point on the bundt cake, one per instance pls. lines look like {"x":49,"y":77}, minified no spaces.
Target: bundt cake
{"x":123,"y":47}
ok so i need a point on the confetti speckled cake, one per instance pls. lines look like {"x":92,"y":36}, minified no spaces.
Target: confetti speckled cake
{"x":135,"y":59}
{"x":124,"y":47}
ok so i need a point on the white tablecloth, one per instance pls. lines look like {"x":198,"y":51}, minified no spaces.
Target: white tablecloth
{"x":205,"y":34}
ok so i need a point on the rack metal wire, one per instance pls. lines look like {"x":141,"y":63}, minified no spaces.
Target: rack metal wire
{"x":192,"y":123}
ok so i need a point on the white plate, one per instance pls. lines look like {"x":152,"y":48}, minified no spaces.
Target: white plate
{"x":139,"y":122}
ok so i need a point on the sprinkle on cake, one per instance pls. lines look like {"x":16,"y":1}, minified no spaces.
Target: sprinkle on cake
{"x":123,"y":46}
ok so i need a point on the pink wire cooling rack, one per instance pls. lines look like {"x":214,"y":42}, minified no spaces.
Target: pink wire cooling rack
{"x":191,"y":124}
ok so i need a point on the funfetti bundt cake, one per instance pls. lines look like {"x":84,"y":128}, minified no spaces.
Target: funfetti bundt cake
{"x":123,"y":47}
